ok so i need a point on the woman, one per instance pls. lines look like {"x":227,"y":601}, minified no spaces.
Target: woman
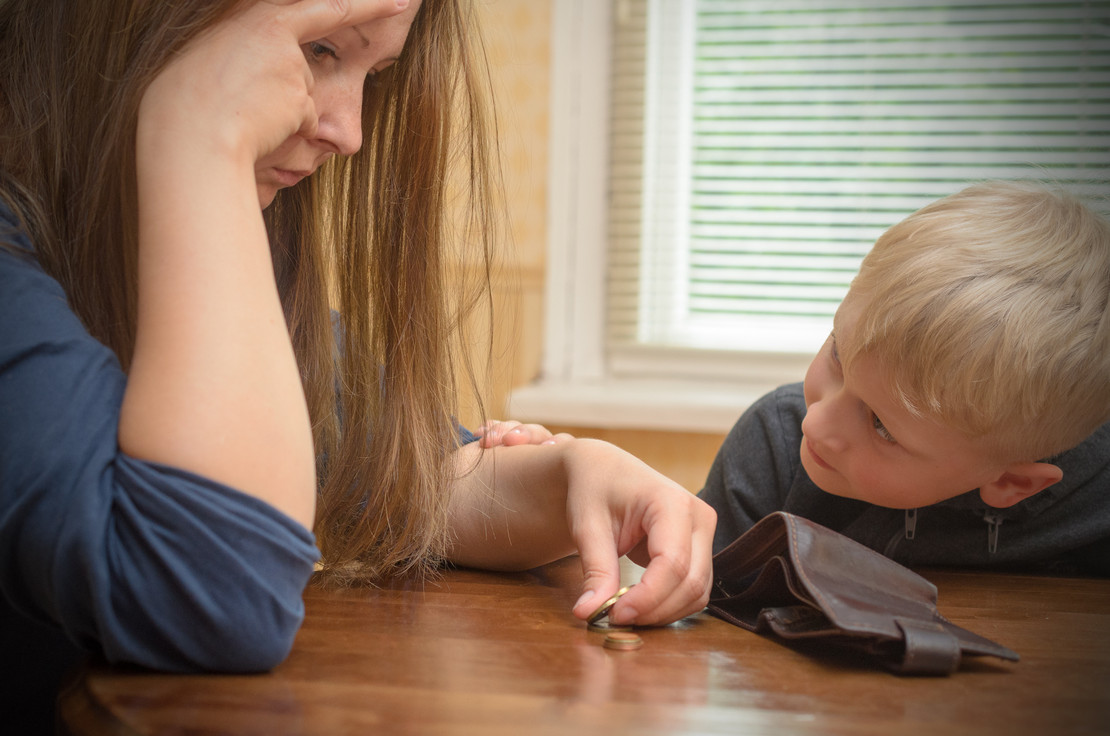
{"x":190,"y":191}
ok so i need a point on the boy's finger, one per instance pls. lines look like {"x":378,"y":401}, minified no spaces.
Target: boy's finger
{"x":315,"y":19}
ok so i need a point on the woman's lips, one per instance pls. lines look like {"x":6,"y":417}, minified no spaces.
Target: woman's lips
{"x":288,"y":178}
{"x":817,"y":458}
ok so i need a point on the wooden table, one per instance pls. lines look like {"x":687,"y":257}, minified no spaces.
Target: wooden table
{"x":481,"y":653}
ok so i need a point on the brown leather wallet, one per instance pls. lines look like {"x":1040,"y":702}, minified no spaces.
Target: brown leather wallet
{"x":798,"y":580}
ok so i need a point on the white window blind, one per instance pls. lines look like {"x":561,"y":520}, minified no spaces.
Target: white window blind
{"x":758,"y":147}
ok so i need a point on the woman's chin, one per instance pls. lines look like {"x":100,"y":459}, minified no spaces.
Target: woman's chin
{"x":266,"y":195}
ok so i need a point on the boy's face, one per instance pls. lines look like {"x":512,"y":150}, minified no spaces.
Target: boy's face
{"x":860,"y":442}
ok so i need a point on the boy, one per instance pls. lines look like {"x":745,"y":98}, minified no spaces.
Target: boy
{"x":957,"y":414}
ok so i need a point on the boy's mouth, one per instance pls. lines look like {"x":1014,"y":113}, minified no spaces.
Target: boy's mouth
{"x":817,"y":458}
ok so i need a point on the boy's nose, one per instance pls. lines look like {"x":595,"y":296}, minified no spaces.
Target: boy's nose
{"x":821,"y":427}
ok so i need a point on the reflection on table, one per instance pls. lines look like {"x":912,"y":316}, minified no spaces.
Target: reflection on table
{"x":485,"y":653}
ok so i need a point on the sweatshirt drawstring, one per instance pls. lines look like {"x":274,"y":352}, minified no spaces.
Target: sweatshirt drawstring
{"x":911,"y":523}
{"x":993,"y":523}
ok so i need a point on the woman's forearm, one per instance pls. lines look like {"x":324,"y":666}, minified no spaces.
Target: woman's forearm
{"x":508,"y":508}
{"x":526,"y":505}
{"x":214,"y":386}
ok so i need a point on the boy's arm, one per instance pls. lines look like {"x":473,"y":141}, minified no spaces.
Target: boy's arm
{"x":1094,"y":559}
{"x":756,"y":465}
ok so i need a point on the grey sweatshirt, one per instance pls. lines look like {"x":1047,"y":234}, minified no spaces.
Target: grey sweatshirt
{"x":1064,"y":528}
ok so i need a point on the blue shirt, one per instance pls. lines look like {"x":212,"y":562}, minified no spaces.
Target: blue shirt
{"x":134,"y":561}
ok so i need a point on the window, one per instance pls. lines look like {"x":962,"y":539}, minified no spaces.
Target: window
{"x":720,"y":167}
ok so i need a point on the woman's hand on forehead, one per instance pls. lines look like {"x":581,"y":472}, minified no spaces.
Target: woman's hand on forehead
{"x":244,"y":86}
{"x":315,"y":19}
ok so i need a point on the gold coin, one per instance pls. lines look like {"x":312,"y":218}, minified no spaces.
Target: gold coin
{"x":607,"y":606}
{"x":605,"y":627}
{"x":623,"y":641}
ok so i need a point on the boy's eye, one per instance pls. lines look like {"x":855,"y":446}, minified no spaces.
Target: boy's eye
{"x":316,"y":50}
{"x":835,"y":352}
{"x":881,"y":430}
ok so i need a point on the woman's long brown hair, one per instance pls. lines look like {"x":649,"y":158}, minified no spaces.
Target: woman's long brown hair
{"x":377,"y":237}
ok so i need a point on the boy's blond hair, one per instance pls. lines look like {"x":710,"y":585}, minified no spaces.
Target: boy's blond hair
{"x":989,"y":311}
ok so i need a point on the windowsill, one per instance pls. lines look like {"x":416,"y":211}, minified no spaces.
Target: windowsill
{"x":661,"y":405}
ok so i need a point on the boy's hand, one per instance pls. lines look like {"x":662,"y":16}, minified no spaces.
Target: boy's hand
{"x":495,"y":433}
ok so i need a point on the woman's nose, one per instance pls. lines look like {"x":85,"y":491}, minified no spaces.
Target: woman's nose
{"x":339,"y":111}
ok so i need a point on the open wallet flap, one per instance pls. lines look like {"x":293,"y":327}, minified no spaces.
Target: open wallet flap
{"x":799,"y":580}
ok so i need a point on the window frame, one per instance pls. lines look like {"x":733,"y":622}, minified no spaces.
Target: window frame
{"x":580,"y":384}
{"x":587,"y":380}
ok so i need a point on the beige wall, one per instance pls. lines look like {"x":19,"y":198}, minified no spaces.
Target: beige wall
{"x":518,"y":37}
{"x":519,"y":48}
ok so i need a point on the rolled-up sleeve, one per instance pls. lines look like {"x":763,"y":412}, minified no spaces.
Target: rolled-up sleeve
{"x":144,"y":563}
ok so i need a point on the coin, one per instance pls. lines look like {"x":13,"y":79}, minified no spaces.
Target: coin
{"x":607,"y":606}
{"x":622,"y":641}
{"x":605,"y":627}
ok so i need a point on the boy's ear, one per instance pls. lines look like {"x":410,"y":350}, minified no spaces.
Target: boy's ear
{"x":1018,"y":482}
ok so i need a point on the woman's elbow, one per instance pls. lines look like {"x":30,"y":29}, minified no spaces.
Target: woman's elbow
{"x":239,"y":637}
{"x":256,"y":638}
{"x":254,"y":648}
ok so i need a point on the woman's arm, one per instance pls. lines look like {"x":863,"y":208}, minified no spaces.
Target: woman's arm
{"x":123,"y":555}
{"x":214,"y":387}
{"x":523,"y":506}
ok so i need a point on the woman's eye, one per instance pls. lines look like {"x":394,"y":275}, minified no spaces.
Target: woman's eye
{"x":881,"y":429}
{"x":316,"y":50}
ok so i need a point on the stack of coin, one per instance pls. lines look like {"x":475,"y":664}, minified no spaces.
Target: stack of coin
{"x":616,"y":637}
{"x":622,"y":640}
